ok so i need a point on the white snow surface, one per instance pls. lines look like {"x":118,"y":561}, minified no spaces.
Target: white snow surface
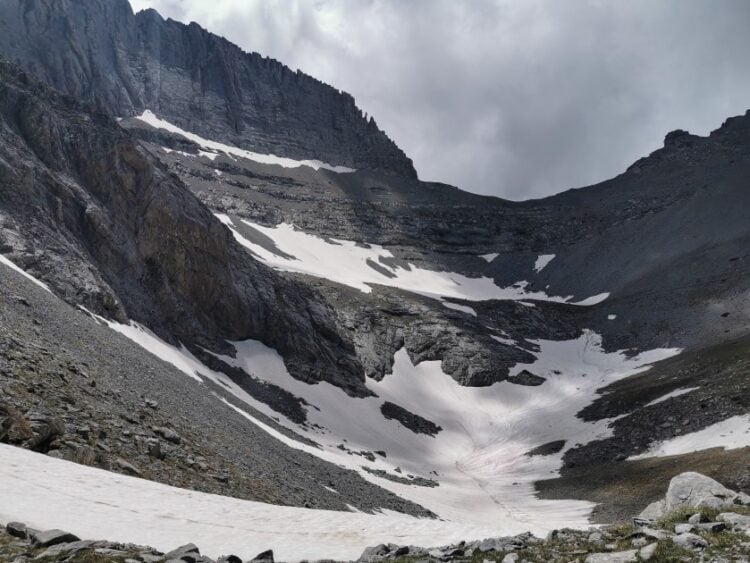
{"x":46,"y":493}
{"x":486,"y":480}
{"x":5,"y":260}
{"x":611,"y":317}
{"x":347,"y":263}
{"x":542,"y":261}
{"x":728,"y":434}
{"x":675,"y":393}
{"x":213,"y":147}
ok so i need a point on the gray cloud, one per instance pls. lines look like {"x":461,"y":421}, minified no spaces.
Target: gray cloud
{"x":512,"y":98}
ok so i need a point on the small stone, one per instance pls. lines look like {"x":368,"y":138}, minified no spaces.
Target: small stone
{"x":168,"y":434}
{"x":696,"y":518}
{"x":510,"y":558}
{"x":646,"y":553}
{"x":127,"y":467}
{"x":229,"y":559}
{"x":683,"y":528}
{"x":713,"y":527}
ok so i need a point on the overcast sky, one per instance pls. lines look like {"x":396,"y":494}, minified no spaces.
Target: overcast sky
{"x":517,"y":98}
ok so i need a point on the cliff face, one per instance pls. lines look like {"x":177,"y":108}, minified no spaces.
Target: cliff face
{"x":99,"y":51}
{"x":84,"y":207}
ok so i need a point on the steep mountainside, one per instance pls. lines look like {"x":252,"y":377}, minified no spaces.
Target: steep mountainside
{"x":99,"y":51}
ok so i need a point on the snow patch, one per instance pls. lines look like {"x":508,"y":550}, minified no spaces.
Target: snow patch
{"x":675,"y":393}
{"x":611,"y":317}
{"x":489,"y":257}
{"x":728,"y":434}
{"x":462,"y":308}
{"x":541,"y":261}
{"x":348,"y":263}
{"x":211,"y":148}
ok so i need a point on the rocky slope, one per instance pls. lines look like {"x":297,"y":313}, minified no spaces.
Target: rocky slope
{"x":99,"y":51}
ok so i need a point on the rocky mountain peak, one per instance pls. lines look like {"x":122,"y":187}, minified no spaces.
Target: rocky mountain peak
{"x":101,"y":52}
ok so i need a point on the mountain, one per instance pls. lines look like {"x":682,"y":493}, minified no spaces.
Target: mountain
{"x":125,"y":63}
{"x":217,"y":275}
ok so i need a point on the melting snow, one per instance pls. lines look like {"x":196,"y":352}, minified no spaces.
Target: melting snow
{"x":486,"y":480}
{"x":13,"y":266}
{"x":462,"y":308}
{"x":348,"y":263}
{"x":212,"y":147}
{"x":675,"y":393}
{"x":728,"y":434}
{"x":542,"y":261}
{"x":611,"y":317}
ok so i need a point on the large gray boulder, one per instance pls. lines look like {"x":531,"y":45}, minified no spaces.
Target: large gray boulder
{"x":693,"y":490}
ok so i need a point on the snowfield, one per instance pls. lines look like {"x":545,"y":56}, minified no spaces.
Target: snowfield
{"x":729,"y":434}
{"x":478,"y":458}
{"x":92,"y":503}
{"x":213,"y":148}
{"x":360,"y":266}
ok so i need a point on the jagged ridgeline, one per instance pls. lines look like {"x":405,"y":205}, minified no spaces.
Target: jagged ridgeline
{"x":99,"y":51}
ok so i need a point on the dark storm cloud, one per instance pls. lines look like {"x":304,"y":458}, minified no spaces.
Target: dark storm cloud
{"x":514,"y":98}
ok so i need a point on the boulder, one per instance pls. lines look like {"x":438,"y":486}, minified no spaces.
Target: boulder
{"x":738,"y":522}
{"x":374,"y":553}
{"x":52,"y":537}
{"x":692,"y":490}
{"x":16,"y":529}
{"x":69,"y":549}
{"x":690,"y":541}
{"x":229,"y":559}
{"x":510,"y":558}
{"x":188,"y":553}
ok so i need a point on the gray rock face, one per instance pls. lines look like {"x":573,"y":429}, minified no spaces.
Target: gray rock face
{"x":412,"y":421}
{"x":99,"y":51}
{"x":110,"y":229}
